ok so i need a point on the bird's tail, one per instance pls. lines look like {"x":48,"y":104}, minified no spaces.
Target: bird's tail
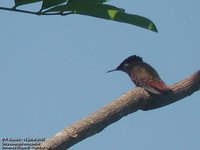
{"x":158,"y":87}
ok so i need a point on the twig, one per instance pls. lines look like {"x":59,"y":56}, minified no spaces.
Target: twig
{"x":35,"y":13}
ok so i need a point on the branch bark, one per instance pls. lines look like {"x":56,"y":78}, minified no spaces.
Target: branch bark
{"x":130,"y":102}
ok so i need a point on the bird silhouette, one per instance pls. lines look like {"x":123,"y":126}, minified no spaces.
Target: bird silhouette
{"x":143,"y":75}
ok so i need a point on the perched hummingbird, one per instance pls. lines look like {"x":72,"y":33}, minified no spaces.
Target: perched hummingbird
{"x":143,"y":75}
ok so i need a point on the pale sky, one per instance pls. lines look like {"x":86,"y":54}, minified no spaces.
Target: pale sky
{"x":53,"y":73}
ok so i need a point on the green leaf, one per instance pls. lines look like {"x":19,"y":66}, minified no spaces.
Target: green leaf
{"x":50,"y":3}
{"x":24,"y":2}
{"x":85,"y":7}
{"x":122,"y":17}
{"x":106,"y":12}
{"x":135,"y":20}
{"x":87,"y":1}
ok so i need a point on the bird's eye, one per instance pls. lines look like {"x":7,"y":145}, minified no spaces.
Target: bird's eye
{"x":126,"y":65}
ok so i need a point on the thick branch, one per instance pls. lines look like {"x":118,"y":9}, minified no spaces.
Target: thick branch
{"x":129,"y":102}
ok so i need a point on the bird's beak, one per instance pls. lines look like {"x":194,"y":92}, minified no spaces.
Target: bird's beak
{"x":112,"y":70}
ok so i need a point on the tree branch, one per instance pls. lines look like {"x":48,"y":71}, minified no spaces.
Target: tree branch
{"x":128,"y":103}
{"x":35,"y":13}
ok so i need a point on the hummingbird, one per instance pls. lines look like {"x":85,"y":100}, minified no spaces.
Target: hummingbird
{"x":143,"y":75}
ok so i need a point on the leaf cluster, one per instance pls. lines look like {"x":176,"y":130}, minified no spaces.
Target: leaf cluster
{"x":94,"y":8}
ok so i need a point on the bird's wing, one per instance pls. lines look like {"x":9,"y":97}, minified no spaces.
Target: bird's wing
{"x":146,"y":77}
{"x":156,"y":87}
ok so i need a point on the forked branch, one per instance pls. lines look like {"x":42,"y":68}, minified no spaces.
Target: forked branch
{"x":128,"y":103}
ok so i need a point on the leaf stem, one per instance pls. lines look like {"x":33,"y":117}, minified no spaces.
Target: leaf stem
{"x":35,"y":13}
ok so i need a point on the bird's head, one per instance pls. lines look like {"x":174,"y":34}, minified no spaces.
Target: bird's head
{"x":128,"y":63}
